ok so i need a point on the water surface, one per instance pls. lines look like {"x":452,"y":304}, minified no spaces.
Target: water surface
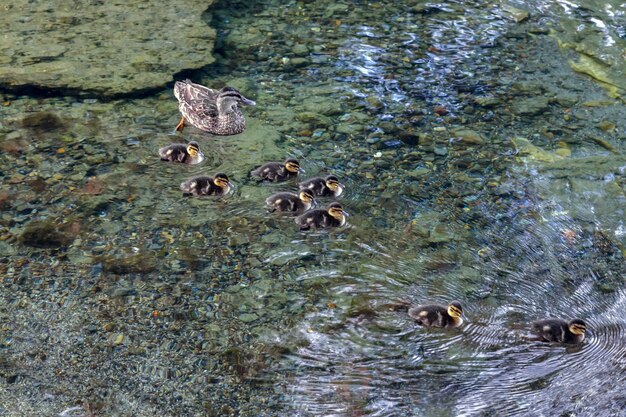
{"x":480,"y":166}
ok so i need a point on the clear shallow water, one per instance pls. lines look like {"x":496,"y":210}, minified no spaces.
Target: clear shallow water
{"x":170,"y":306}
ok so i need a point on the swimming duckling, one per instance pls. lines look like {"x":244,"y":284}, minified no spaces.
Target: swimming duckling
{"x":323,"y":187}
{"x":219,"y":185}
{"x":214,"y":111}
{"x":277,"y":171}
{"x":434,"y":315}
{"x":331,"y":216}
{"x":289,"y":202}
{"x":561,"y":331}
{"x":179,"y":152}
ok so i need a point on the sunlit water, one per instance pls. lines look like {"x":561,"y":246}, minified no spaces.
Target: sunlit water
{"x":173,"y":306}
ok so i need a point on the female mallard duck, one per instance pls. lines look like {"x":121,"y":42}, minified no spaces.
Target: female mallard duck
{"x":331,"y":216}
{"x":277,"y":171}
{"x":561,"y":331}
{"x":219,"y":185}
{"x":288,"y":202}
{"x":323,"y":187}
{"x":179,"y":152}
{"x":214,"y":111}
{"x":434,"y":315}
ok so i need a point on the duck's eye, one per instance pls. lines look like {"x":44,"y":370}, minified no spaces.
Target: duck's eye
{"x":332,"y":185}
{"x":292,"y":167}
{"x":192,"y":150}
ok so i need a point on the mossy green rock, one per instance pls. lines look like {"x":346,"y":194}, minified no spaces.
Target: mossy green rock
{"x":531,"y":152}
{"x":102,"y":48}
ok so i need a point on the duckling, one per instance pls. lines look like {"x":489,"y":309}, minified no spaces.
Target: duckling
{"x":289,"y":202}
{"x":332,"y":216}
{"x":179,"y":152}
{"x":214,"y":111}
{"x":323,"y":187}
{"x":561,"y":331}
{"x":219,"y":185}
{"x":277,"y":171}
{"x":435,"y":315}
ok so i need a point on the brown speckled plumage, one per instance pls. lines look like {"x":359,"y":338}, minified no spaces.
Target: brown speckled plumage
{"x":214,"y":111}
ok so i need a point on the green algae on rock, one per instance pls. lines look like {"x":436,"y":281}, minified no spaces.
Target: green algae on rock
{"x":598,"y":58}
{"x":515,"y":14}
{"x":102,"y":48}
{"x":532,"y":152}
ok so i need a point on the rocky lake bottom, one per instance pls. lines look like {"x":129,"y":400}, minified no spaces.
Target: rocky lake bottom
{"x":482,"y":148}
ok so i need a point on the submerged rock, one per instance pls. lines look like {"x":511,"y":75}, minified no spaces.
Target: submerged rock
{"x":102,"y":47}
{"x":45,"y":234}
{"x":432,"y":228}
{"x":530,"y":106}
{"x":42,"y":121}
{"x":515,"y":14}
{"x":469,"y":136}
{"x":141,"y":263}
{"x":314,"y":119}
{"x":607,"y":126}
{"x":526,"y":149}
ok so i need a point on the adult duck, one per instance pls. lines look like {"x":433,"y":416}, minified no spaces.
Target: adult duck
{"x":214,"y":111}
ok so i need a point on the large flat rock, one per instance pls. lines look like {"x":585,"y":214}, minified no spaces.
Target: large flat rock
{"x":101,"y":47}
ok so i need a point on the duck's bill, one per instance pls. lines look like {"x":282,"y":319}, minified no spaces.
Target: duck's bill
{"x":345,"y":213}
{"x":248,"y":102}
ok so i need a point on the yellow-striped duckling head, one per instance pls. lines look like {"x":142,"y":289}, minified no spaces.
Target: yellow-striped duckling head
{"x":336,"y":211}
{"x":306,"y":196}
{"x":293,"y":166}
{"x":455,"y":310}
{"x":193,"y":149}
{"x":332,"y":182}
{"x":578,"y":327}
{"x":221,"y":180}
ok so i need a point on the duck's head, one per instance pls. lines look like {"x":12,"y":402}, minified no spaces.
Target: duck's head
{"x":336,"y":211}
{"x":221,"y":180}
{"x":231,"y":98}
{"x":577,"y":326}
{"x":306,"y":196}
{"x":455,"y":310}
{"x":193,"y":149}
{"x":332,"y":182}
{"x":292,"y":165}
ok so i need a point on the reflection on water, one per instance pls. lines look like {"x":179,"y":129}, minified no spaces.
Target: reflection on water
{"x":123,"y":297}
